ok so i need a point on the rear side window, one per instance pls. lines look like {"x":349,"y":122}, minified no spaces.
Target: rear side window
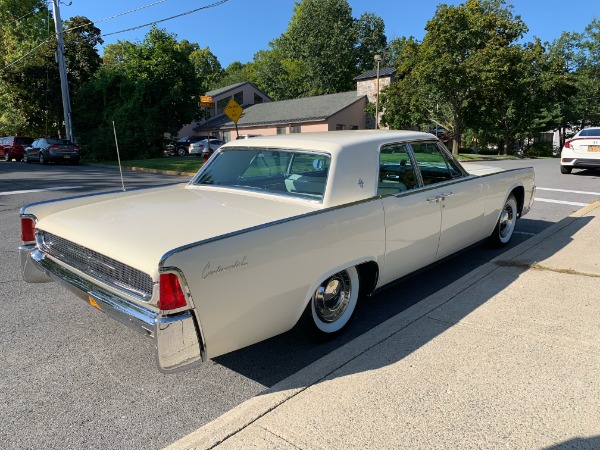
{"x":434,"y":166}
{"x":396,"y":171}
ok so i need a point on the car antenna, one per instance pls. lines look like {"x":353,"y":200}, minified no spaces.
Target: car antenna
{"x":118,"y":156}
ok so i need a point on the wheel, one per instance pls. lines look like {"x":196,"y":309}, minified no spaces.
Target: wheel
{"x":42,"y":159}
{"x":25,"y":159}
{"x":331,"y":306}
{"x":565,"y":169}
{"x":6,"y":156}
{"x":506,"y":223}
{"x":181,"y":151}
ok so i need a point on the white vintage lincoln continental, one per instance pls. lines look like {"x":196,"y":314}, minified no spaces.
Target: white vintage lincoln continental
{"x":276,"y":231}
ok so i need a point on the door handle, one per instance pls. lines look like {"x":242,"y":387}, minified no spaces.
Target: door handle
{"x":434,"y":199}
{"x":446,"y":194}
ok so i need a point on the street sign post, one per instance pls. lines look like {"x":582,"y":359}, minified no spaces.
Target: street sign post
{"x":234,"y":111}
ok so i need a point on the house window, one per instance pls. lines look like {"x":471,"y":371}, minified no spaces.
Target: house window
{"x":281,"y":130}
{"x":340,"y":127}
{"x":221,"y":104}
{"x":239,"y":97}
{"x":295,"y":129}
{"x":257,"y":98}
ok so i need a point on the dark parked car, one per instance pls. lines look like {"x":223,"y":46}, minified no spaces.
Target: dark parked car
{"x":182,"y":146}
{"x":46,"y":150}
{"x":12,"y":147}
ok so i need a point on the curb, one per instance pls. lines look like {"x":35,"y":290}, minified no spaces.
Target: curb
{"x":235,"y":420}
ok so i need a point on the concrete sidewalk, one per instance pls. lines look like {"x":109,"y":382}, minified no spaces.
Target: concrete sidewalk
{"x":508,"y":356}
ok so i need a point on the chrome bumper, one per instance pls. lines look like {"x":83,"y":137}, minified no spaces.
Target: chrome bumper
{"x":176,"y":338}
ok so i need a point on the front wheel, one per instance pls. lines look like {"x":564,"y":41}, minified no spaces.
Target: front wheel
{"x":506,"y":223}
{"x":181,"y":151}
{"x":332,"y":306}
{"x":25,"y":158}
{"x":6,"y":156}
{"x":42,"y":159}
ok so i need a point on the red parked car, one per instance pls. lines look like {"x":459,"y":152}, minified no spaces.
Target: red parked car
{"x":12,"y":147}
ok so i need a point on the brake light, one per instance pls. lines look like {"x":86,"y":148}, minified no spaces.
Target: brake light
{"x":27,"y":229}
{"x":568,"y":144}
{"x":76,"y":148}
{"x":171,"y":294}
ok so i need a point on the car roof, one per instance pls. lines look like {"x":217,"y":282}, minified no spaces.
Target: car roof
{"x":331,"y":141}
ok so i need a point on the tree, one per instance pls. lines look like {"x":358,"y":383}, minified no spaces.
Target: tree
{"x":459,"y":43}
{"x":371,"y":40}
{"x":147,"y":89}
{"x":321,"y":37}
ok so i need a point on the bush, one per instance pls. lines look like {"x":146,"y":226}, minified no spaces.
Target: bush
{"x":539,"y":149}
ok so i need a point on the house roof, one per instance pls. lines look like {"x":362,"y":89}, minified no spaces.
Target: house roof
{"x":383,"y":72}
{"x":299,"y":110}
{"x":231,"y":87}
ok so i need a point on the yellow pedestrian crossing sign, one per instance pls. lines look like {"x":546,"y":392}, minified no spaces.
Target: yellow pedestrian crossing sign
{"x":233,"y":110}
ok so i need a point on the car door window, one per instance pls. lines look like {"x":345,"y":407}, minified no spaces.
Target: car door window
{"x":396,"y":171}
{"x":433,"y":165}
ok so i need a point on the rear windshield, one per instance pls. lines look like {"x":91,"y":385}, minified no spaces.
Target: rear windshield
{"x":590,"y":132}
{"x":23,"y":140}
{"x":293,"y":173}
{"x":57,"y":141}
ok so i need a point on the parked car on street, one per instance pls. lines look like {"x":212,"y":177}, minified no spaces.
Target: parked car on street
{"x":301,"y":228}
{"x":12,"y":147}
{"x":202,"y":148}
{"x":582,"y":151}
{"x":182,"y":145}
{"x":45,"y":150}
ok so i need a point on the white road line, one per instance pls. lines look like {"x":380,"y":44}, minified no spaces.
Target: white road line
{"x":40,"y":190}
{"x":561,"y":202}
{"x":566,"y":190}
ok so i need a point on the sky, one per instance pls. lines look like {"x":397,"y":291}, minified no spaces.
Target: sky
{"x":236,"y":29}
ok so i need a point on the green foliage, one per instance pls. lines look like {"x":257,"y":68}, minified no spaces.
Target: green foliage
{"x":147,"y":89}
{"x":539,"y":149}
{"x":371,"y":40}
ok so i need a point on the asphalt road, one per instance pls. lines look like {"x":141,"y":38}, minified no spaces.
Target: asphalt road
{"x":73,"y":378}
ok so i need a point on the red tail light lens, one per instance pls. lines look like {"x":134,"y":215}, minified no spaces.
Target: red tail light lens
{"x":171,"y":294}
{"x":27,"y":229}
{"x":75,"y":148}
{"x":568,"y":144}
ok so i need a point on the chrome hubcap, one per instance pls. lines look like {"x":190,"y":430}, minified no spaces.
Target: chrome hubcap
{"x":331,"y":298}
{"x":506,"y":221}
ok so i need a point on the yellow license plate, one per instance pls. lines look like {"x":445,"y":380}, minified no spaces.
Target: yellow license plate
{"x":594,"y":148}
{"x":67,"y":156}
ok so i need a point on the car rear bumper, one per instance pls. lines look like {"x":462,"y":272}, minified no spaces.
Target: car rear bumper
{"x":581,"y":162}
{"x":177,"y":339}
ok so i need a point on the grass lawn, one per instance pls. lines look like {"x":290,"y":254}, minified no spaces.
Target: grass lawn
{"x":175,"y":164}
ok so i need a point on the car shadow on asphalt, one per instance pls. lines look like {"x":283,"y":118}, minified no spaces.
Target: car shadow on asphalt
{"x":275,"y":359}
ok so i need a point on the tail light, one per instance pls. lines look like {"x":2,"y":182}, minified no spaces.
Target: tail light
{"x":76,"y":148}
{"x":53,"y":147}
{"x":568,"y":144}
{"x":171,"y":294}
{"x":27,"y":229}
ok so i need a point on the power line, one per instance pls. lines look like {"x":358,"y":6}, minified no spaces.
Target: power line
{"x":212,"y":5}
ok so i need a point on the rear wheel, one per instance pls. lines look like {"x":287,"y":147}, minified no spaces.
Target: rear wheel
{"x":42,"y":159}
{"x":6,"y":156}
{"x":331,"y":306}
{"x":181,"y":151}
{"x":506,"y":223}
{"x":565,"y":169}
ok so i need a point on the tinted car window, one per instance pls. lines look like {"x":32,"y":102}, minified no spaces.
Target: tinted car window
{"x":595,"y":132}
{"x":58,"y":141}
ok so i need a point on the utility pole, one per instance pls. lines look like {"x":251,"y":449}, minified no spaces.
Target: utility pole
{"x":62,"y":68}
